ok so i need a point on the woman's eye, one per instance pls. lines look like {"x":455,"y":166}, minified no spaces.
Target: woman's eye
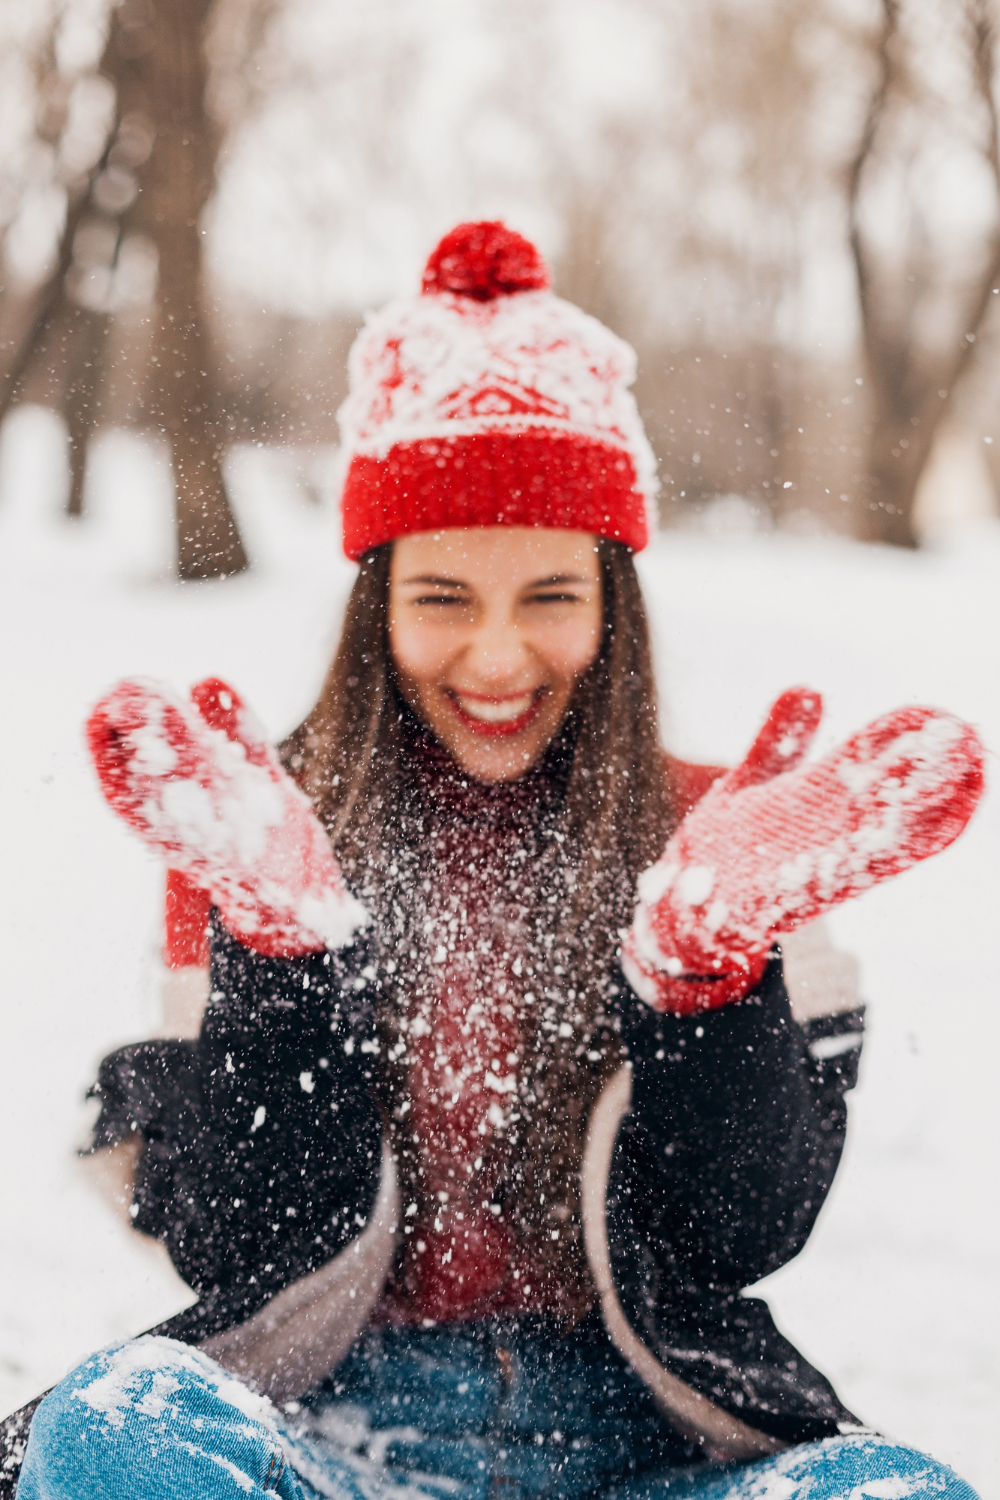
{"x":426,"y":599}
{"x":554,"y":599}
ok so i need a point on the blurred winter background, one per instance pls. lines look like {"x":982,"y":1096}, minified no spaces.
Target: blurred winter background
{"x":792,"y":209}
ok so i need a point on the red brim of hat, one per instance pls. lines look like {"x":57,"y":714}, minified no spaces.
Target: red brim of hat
{"x":534,"y":478}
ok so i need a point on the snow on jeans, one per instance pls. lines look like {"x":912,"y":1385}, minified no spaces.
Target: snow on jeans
{"x":472,"y":1412}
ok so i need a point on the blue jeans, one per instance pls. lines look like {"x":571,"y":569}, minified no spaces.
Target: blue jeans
{"x":475,"y":1412}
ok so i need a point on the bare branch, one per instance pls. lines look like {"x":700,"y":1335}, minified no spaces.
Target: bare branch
{"x":883,"y":52}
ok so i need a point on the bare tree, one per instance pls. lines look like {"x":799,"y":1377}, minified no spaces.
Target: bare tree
{"x":922,"y":305}
{"x":148,"y":187}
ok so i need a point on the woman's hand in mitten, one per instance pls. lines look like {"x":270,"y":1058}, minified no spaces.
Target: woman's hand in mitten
{"x":202,"y":787}
{"x":776,"y":843}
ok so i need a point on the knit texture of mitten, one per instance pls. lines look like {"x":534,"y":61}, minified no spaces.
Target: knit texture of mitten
{"x":202,"y":787}
{"x":776,"y":843}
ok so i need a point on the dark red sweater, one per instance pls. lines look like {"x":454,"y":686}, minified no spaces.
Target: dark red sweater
{"x":464,"y":1034}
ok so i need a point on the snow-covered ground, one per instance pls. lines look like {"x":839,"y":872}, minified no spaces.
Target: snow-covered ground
{"x":896,"y":1295}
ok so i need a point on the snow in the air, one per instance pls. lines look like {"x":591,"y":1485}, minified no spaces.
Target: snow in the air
{"x":896,"y":1295}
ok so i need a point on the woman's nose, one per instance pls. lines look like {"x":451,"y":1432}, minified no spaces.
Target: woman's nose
{"x":497,"y":652}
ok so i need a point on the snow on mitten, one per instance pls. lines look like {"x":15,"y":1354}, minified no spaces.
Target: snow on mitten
{"x":774,"y":844}
{"x":222,"y":708}
{"x":205,"y":790}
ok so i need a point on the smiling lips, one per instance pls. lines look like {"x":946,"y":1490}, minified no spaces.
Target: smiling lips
{"x":493,"y":715}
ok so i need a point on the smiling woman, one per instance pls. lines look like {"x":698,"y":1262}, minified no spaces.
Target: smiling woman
{"x":448,"y":821}
{"x":491,"y":630}
{"x":500,"y":1101}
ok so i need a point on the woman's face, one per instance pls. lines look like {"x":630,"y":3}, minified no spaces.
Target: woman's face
{"x":491,"y":628}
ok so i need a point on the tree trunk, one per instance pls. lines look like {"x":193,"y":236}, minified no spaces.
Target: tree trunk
{"x":156,"y":60}
{"x":65,"y":373}
{"x":893,"y":475}
{"x":902,"y":425}
{"x":182,"y":400}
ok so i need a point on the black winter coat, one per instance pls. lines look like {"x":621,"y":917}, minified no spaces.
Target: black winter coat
{"x":262,"y":1160}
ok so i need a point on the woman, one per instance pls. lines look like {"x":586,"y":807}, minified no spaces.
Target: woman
{"x":476,"y":1149}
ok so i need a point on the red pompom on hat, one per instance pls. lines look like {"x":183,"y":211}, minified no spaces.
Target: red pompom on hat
{"x":488,"y":401}
{"x":484,"y":261}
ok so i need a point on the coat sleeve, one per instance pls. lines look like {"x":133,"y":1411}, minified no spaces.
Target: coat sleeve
{"x":262,"y":1139}
{"x":737,"y":1127}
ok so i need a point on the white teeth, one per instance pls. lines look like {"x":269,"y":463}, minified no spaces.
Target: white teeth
{"x":495,"y":713}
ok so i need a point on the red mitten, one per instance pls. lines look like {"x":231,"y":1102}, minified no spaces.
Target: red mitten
{"x":774,"y":844}
{"x":205,"y":790}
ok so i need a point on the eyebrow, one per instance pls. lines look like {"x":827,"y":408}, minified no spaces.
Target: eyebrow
{"x":444,"y":583}
{"x":557,"y":578}
{"x":538,"y":583}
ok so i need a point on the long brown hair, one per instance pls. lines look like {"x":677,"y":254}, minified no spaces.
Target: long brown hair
{"x":612,"y":822}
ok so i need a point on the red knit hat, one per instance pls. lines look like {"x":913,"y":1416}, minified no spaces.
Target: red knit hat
{"x":488,"y":401}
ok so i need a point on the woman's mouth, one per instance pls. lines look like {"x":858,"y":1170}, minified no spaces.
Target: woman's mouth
{"x":484,"y":714}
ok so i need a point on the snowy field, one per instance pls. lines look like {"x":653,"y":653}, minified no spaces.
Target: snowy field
{"x":896,"y":1295}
